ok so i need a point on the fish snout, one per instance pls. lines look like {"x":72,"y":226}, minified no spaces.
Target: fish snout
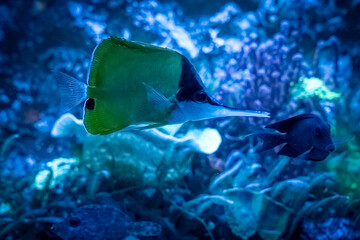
{"x":330,"y":147}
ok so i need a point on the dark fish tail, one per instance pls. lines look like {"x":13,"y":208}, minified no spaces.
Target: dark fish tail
{"x":271,"y":140}
{"x":72,"y":91}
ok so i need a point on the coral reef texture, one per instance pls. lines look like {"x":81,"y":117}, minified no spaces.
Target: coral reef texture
{"x":198,"y":180}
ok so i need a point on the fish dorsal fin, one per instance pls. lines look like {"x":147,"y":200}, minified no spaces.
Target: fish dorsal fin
{"x":156,"y":99}
{"x":285,"y":125}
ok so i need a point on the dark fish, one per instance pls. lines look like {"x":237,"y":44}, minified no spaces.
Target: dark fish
{"x":305,"y":134}
{"x":96,"y":222}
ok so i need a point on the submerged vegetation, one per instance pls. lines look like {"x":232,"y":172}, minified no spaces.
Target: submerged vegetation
{"x":199,"y":180}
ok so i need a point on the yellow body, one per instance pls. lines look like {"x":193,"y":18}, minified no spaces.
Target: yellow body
{"x":119,"y":70}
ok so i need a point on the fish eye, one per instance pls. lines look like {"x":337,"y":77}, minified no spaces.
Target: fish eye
{"x":90,"y":104}
{"x":317,"y":131}
{"x":201,"y":97}
{"x":74,"y":222}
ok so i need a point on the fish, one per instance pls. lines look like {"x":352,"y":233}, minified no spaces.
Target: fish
{"x":102,"y":222}
{"x":306,"y":136}
{"x":134,"y":85}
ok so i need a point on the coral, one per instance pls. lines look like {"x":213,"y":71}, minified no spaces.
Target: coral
{"x":313,"y":87}
{"x":56,"y":174}
{"x":201,"y":180}
{"x":134,"y":160}
{"x":147,"y":157}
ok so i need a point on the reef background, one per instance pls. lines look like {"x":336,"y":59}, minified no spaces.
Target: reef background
{"x":283,"y":56}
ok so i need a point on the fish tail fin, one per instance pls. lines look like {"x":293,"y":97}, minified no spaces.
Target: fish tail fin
{"x":145,"y":228}
{"x":72,"y":91}
{"x":271,"y":140}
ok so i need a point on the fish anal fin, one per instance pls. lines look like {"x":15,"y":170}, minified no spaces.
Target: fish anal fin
{"x":287,"y":150}
{"x":285,"y":125}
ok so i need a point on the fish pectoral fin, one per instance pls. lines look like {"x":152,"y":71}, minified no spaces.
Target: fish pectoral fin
{"x":289,"y":151}
{"x":156,"y":98}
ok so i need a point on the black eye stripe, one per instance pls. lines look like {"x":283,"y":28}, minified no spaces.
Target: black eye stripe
{"x":90,"y":104}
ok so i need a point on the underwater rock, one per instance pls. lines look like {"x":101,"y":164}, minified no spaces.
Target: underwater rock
{"x":97,"y":222}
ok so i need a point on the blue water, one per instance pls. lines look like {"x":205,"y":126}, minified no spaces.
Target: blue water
{"x":199,"y":180}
